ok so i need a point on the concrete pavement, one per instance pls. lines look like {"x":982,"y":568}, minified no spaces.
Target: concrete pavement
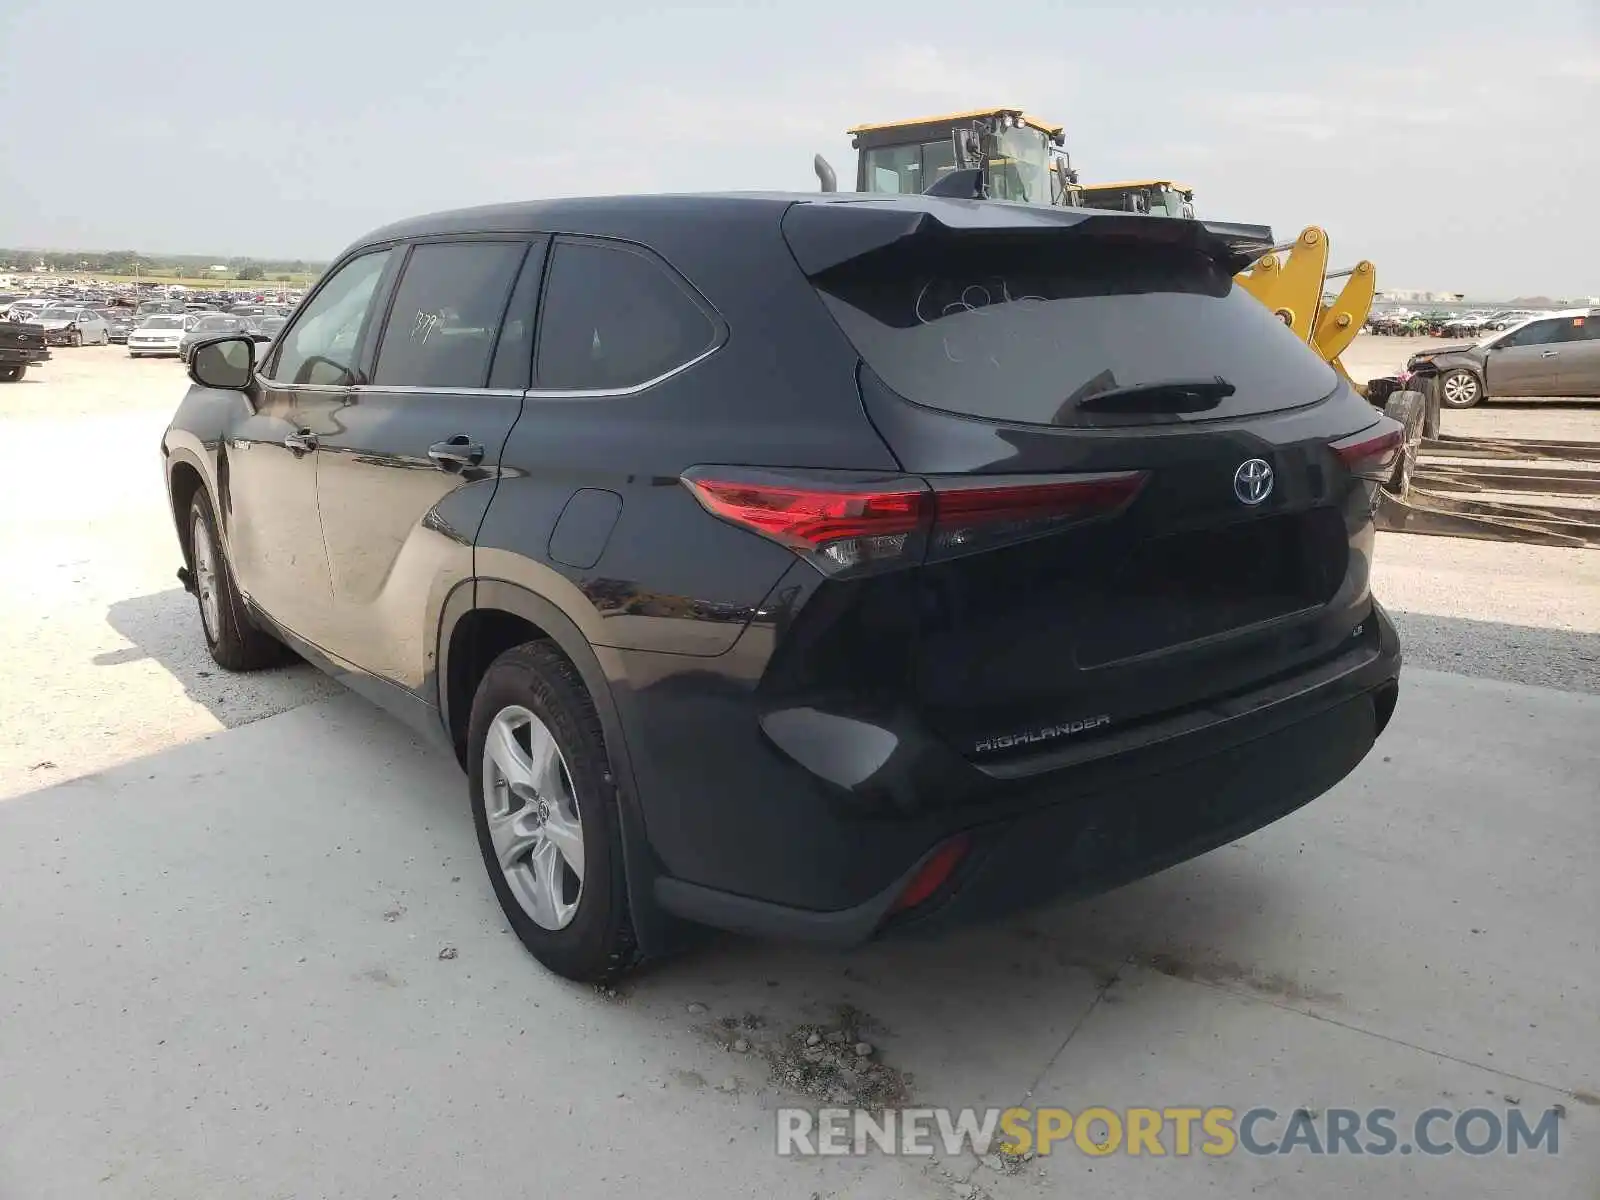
{"x":221,"y":975}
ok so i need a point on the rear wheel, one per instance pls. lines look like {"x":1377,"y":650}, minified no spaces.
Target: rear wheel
{"x":545,"y":807}
{"x":234,"y":641}
{"x":1460,"y":389}
{"x":11,"y":372}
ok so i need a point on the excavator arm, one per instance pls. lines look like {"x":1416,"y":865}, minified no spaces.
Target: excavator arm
{"x":1293,"y":287}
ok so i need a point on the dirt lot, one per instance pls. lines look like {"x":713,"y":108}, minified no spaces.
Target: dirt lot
{"x":225,"y":904}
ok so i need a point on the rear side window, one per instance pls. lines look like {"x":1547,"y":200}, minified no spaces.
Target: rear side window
{"x":1022,"y":330}
{"x":1534,"y":333}
{"x":1572,"y":329}
{"x":615,"y":317}
{"x":446,"y":314}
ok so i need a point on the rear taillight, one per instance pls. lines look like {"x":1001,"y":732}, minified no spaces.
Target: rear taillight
{"x":978,"y":514}
{"x":837,"y":525}
{"x":848,"y":522}
{"x":1373,"y":452}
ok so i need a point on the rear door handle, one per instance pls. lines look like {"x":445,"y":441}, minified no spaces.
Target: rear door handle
{"x":1547,"y":353}
{"x":302,"y":442}
{"x":456,"y":454}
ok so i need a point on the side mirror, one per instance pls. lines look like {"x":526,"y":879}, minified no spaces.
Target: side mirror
{"x":226,"y":362}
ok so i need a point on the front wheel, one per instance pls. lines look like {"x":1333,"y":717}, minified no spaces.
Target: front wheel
{"x":234,"y":641}
{"x":545,"y":807}
{"x":1460,"y":389}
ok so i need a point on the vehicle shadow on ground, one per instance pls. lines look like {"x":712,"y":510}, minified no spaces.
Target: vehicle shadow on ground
{"x":1567,"y":659}
{"x":165,"y":627}
{"x":969,"y":1016}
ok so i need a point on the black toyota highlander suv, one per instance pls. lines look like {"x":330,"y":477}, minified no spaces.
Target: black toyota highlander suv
{"x":805,"y":565}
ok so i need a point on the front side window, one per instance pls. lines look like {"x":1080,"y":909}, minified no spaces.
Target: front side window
{"x":321,"y":347}
{"x":446,"y":315}
{"x":615,"y":317}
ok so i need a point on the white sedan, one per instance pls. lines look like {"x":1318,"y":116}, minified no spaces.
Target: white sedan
{"x":159,"y":334}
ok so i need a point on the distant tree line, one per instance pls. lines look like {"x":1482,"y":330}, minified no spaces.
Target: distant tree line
{"x":132,"y":263}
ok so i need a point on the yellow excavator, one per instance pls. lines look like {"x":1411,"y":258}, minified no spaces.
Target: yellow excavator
{"x":1023,"y":158}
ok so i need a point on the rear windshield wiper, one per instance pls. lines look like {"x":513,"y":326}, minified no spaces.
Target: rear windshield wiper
{"x":1162,"y":396}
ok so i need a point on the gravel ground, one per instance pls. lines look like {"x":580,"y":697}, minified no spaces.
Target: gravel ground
{"x":105,"y":663}
{"x":1529,"y":614}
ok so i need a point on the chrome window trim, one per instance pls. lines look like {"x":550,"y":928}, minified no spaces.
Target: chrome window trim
{"x":529,"y":393}
{"x":414,"y":389}
{"x":632,"y":389}
{"x":315,"y":389}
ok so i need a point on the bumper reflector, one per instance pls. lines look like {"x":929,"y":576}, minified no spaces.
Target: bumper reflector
{"x":934,"y":873}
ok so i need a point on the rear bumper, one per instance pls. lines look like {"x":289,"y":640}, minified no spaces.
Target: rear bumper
{"x":11,"y":355}
{"x":1078,"y":830}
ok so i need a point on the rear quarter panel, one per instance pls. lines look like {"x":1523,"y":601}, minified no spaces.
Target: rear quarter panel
{"x":780,"y":390}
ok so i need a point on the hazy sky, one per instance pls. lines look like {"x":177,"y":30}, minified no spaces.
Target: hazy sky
{"x":1455,"y":144}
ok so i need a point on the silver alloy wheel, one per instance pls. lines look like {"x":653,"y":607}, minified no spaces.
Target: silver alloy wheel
{"x":205,"y":577}
{"x":1461,"y":388}
{"x":533,"y":818}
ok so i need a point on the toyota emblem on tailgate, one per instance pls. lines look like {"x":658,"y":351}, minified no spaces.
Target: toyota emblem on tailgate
{"x":1252,"y":482}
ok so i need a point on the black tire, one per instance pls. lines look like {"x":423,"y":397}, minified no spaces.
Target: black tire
{"x":599,"y":944}
{"x":1410,"y":409}
{"x":77,"y":338}
{"x":1466,"y":385}
{"x":237,"y":644}
{"x":12,"y":372}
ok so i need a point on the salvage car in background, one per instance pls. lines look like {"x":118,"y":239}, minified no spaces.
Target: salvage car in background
{"x":215,"y":325}
{"x":1553,"y":355}
{"x":159,"y":335}
{"x":120,"y":326}
{"x":74,"y":327}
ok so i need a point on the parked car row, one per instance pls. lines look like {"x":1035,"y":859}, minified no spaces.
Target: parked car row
{"x":1405,"y":323}
{"x":178,"y":334}
{"x":146,"y":334}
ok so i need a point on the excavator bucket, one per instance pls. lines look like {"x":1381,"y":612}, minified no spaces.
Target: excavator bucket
{"x":1293,"y":288}
{"x":1340,"y":322}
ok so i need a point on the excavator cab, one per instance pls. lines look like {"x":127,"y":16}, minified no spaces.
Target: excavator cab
{"x":1020,"y":157}
{"x":1155,"y":197}
{"x":1004,"y":154}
